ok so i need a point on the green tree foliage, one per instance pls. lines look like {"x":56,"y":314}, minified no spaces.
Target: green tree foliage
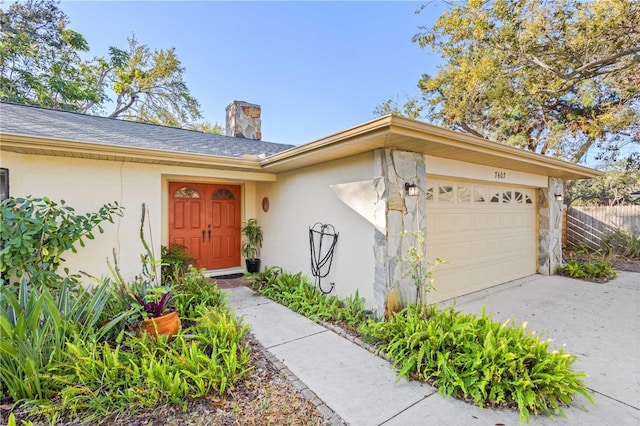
{"x":614,"y":188}
{"x":206,"y":127}
{"x":412,"y":108}
{"x":40,"y":65}
{"x":148,"y":86}
{"x":557,"y":78}
{"x":39,"y":61}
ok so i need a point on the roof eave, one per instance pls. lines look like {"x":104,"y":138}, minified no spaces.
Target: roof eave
{"x":27,"y":144}
{"x":405,"y":134}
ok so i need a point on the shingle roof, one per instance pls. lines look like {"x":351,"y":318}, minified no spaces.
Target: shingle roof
{"x":49,"y":123}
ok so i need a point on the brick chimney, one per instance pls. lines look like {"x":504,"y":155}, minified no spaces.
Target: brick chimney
{"x":243,"y":120}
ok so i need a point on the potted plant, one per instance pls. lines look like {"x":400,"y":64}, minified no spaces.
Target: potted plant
{"x":145,"y":296}
{"x":157,"y":317}
{"x":251,"y":245}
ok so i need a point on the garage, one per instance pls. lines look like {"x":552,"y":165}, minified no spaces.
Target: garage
{"x":485,"y":231}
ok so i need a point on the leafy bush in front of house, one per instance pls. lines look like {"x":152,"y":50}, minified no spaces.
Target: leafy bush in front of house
{"x":37,"y":231}
{"x":176,"y":262}
{"x":79,"y":370}
{"x":36,"y":324}
{"x":194,"y":290}
{"x":132,"y":373}
{"x":623,"y":243}
{"x":44,"y":309}
{"x":295,"y":292}
{"x":65,"y":351}
{"x":474,"y":358}
{"x":589,"y":269}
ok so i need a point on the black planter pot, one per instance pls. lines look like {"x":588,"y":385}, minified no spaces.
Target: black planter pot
{"x":253,"y":265}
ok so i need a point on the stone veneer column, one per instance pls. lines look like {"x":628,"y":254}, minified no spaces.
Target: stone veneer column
{"x":396,"y":212}
{"x":550,"y":227}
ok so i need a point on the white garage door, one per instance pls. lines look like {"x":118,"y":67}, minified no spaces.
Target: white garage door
{"x":486,"y":233}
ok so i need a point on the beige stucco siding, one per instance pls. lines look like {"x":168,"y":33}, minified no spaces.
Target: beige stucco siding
{"x":301,"y":198}
{"x":88,"y":184}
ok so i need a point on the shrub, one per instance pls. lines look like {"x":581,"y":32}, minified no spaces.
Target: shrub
{"x":135,"y":373}
{"x":420,"y":271}
{"x":41,"y":313}
{"x":37,"y":231}
{"x":35,"y":325}
{"x":87,"y":376}
{"x":195,"y":290}
{"x":473,"y":357}
{"x":295,"y":292}
{"x":589,"y":269}
{"x":623,"y":243}
{"x":176,"y":262}
{"x":60,"y":352}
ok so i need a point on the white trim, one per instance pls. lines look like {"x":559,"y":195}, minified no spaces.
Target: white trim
{"x":227,"y":271}
{"x":463,"y":170}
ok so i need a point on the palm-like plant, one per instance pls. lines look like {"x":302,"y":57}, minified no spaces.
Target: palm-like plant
{"x":253,"y":239}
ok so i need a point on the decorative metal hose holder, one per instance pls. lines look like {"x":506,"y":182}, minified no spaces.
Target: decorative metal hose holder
{"x":322,"y":243}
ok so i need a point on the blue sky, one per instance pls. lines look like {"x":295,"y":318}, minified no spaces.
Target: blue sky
{"x":316,"y":68}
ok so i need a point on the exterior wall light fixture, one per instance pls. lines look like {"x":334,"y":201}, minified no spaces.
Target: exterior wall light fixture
{"x":411,"y":189}
{"x":558,"y":197}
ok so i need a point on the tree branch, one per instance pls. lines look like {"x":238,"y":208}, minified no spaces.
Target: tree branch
{"x":588,"y":66}
{"x":119,"y":111}
{"x":469,"y":129}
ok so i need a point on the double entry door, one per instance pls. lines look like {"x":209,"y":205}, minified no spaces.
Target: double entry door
{"x":205,"y":218}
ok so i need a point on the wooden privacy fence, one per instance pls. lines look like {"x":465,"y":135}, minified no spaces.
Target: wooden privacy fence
{"x":590,"y":225}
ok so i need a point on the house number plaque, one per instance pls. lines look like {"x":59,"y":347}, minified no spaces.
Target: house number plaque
{"x":500,"y":175}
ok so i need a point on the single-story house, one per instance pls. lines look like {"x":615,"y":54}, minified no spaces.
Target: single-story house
{"x":493,"y":212}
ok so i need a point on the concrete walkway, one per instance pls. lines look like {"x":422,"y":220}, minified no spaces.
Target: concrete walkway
{"x":598,"y":322}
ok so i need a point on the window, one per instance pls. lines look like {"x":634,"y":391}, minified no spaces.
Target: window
{"x":518,"y":197}
{"x":464,"y":194}
{"x":186,"y":192}
{"x":506,"y":197}
{"x":445,"y":193}
{"x":429,"y":193}
{"x":4,"y":183}
{"x":223,"y":194}
{"x":480,"y":194}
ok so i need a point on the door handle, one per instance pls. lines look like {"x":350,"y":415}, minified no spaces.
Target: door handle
{"x":203,"y":233}
{"x":209,"y":235}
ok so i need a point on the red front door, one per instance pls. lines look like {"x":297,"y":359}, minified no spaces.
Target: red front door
{"x":206,"y":219}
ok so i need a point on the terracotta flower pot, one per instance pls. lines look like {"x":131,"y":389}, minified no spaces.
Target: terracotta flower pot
{"x":166,"y":325}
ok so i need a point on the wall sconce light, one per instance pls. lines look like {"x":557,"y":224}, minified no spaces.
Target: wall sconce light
{"x":558,"y":197}
{"x":4,"y":183}
{"x":411,"y":189}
